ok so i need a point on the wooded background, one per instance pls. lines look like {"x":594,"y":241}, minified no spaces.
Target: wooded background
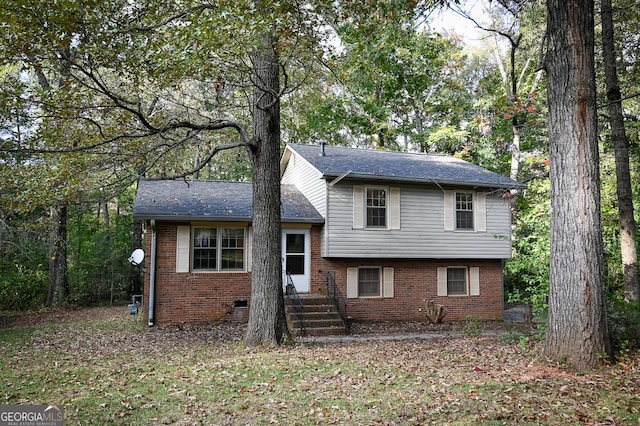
{"x":96,"y":95}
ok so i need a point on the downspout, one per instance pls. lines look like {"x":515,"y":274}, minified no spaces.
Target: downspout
{"x":502,"y":286}
{"x":152,"y":272}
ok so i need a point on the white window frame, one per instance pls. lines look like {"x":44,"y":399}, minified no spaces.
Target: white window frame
{"x":367,"y":207}
{"x":360,"y":208}
{"x":213,"y":235}
{"x":472,"y":278}
{"x":372,"y":268}
{"x":471,"y":211}
{"x":234,"y":247}
{"x":219,"y":230}
{"x":479,"y":209}
{"x":450,"y":280}
{"x":386,"y":282}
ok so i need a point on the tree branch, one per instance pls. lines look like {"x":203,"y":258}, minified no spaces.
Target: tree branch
{"x":205,"y":161}
{"x":623,"y":98}
{"x":197,"y":8}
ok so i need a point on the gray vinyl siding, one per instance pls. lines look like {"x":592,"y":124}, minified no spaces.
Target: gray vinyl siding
{"x":308,"y":180}
{"x":421,"y":233}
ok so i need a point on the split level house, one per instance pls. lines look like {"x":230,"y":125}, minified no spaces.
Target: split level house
{"x":383,"y":232}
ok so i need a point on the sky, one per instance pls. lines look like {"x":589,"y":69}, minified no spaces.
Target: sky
{"x":447,"y":21}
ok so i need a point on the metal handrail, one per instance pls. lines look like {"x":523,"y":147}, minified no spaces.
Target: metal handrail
{"x":296,"y":302}
{"x":334,"y":293}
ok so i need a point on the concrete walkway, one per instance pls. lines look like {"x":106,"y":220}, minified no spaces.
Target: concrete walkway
{"x":393,"y":336}
{"x":513,"y":314}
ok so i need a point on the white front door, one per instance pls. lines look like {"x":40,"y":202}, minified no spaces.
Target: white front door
{"x":296,"y":247}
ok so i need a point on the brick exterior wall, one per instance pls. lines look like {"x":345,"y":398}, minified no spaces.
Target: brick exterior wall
{"x":192,"y":297}
{"x":415,"y":282}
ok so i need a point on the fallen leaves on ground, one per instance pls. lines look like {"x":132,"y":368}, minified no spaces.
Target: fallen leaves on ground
{"x":106,"y":367}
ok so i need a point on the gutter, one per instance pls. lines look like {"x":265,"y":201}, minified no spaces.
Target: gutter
{"x":336,"y":177}
{"x":152,"y":272}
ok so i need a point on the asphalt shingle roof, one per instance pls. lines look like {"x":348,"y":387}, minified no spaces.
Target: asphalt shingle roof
{"x":400,"y":166}
{"x":213,"y":200}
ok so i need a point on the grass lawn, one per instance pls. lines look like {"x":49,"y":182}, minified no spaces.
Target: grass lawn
{"x":106,"y":368}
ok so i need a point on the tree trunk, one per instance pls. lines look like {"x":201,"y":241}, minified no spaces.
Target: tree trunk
{"x":577,"y":324}
{"x":196,"y":162}
{"x":628,"y":246}
{"x":515,"y":151}
{"x":58,"y":284}
{"x":107,"y":221}
{"x":267,"y":321}
{"x":136,"y":278}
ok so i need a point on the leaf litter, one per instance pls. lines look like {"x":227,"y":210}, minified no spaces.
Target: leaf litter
{"x":105,"y":367}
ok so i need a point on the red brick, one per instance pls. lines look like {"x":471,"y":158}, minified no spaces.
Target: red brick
{"x":206,"y":296}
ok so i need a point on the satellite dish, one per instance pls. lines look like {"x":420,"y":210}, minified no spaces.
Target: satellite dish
{"x":136,"y":257}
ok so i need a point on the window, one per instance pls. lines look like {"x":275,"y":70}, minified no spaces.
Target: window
{"x":376,"y":208}
{"x":218,"y":249}
{"x":232,"y":255}
{"x":204,"y":248}
{"x":456,"y":281}
{"x":464,"y":210}
{"x":368,"y":282}
{"x":295,"y":254}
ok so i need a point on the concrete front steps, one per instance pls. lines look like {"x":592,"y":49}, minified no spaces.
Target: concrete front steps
{"x":319,"y":316}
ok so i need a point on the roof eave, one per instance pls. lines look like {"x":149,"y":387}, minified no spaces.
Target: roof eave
{"x":178,"y":218}
{"x":314,"y":221}
{"x":183,"y":218}
{"x":366,"y":176}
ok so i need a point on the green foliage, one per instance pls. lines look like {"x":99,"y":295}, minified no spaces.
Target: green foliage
{"x":229,"y":165}
{"x":189,"y":60}
{"x":527,"y":273}
{"x":508,"y":90}
{"x":611,"y":224}
{"x":624,"y":323}
{"x":98,"y":266}
{"x":98,"y":270}
{"x":396,"y":85}
{"x":473,"y":326}
{"x":24,"y":269}
{"x":23,"y":287}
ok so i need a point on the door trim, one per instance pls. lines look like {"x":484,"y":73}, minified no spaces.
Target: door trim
{"x":301,"y":281}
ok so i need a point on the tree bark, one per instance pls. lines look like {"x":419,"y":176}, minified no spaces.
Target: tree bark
{"x":58,"y":283}
{"x":267,"y":321}
{"x":577,"y":324}
{"x":107,"y":220}
{"x":628,"y":246}
{"x":136,"y":278}
{"x":515,"y":151}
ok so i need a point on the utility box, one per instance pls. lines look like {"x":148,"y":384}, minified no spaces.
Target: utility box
{"x":136,"y":304}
